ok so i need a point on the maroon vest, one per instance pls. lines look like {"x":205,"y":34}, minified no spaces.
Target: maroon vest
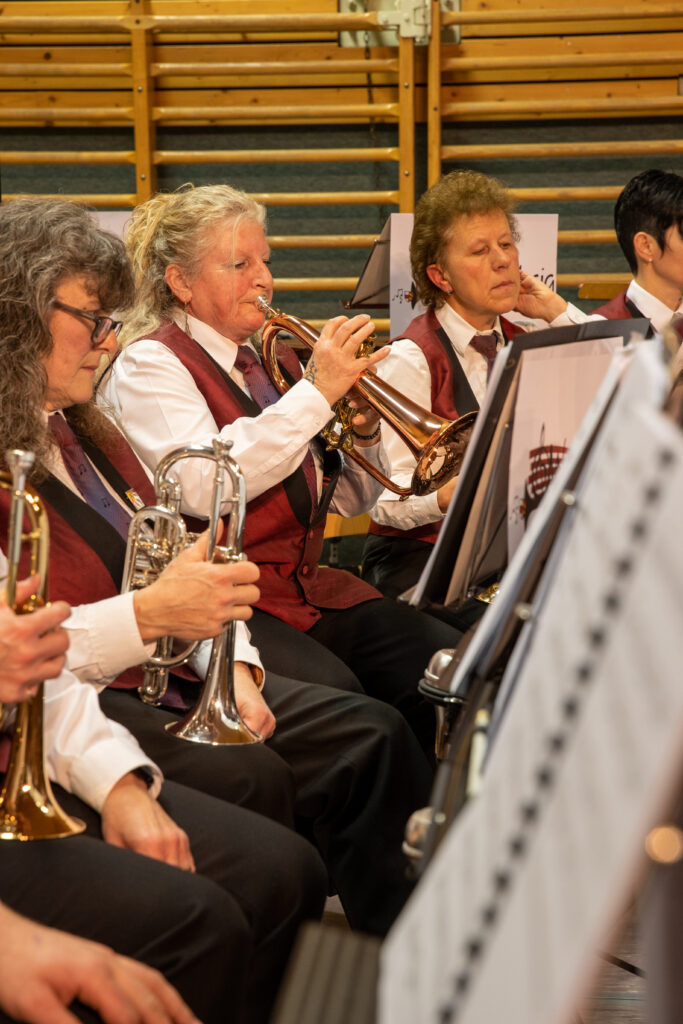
{"x":448,"y":378}
{"x":280,"y":535}
{"x":616,"y":308}
{"x":79,"y":572}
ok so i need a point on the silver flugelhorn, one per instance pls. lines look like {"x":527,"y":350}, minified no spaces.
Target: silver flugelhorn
{"x":215,"y":718}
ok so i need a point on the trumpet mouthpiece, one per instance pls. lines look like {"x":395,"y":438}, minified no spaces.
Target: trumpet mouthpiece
{"x":264,"y":306}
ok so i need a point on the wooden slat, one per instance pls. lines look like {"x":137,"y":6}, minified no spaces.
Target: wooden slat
{"x":320,"y":284}
{"x":600,"y":290}
{"x":276,"y":156}
{"x":563,"y":194}
{"x":191,"y":24}
{"x":596,"y":236}
{"x":540,"y":150}
{"x":245,"y":108}
{"x":325,"y":198}
{"x":321,"y":241}
{"x":519,"y":17}
{"x":54,"y":157}
{"x":584,"y":280}
{"x":100,"y":201}
{"x":591,"y":103}
{"x":406,"y":126}
{"x":143,"y":99}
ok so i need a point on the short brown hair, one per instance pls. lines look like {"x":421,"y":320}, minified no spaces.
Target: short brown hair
{"x":457,"y":194}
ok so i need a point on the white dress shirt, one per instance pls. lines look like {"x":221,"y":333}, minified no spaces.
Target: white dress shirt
{"x":654,"y":309}
{"x":158,"y":408}
{"x":85,"y":752}
{"x":104,"y":636}
{"x":407,"y":369}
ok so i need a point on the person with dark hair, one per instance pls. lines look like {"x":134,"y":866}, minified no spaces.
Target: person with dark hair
{"x":344,"y":769}
{"x":208,"y":895}
{"x":648,"y":217}
{"x":465,"y":265}
{"x":190,"y":371}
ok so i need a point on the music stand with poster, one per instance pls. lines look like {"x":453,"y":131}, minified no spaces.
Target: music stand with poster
{"x":478,"y":512}
{"x":527,"y":885}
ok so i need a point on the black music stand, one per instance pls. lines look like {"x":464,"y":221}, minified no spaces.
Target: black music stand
{"x":430,"y":593}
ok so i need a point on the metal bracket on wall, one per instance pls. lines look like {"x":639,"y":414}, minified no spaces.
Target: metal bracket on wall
{"x":409,"y":19}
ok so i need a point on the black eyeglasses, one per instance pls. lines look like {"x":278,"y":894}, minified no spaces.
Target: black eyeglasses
{"x":102,"y":326}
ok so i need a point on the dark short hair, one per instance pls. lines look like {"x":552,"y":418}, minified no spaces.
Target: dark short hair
{"x":650,"y":202}
{"x":457,"y":194}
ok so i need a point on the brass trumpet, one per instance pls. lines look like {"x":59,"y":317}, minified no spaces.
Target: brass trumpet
{"x":438,"y":445}
{"x":215,"y":718}
{"x":28,"y":807}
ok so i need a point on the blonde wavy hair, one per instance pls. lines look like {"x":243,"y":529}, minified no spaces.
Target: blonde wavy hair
{"x":174,"y":228}
{"x":457,"y":194}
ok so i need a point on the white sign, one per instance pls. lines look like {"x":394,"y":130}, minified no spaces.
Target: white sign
{"x":112,"y":220}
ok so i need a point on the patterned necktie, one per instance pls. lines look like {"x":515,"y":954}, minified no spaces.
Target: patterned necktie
{"x":264,"y":393}
{"x":261,"y":388}
{"x":487,"y":346}
{"x":86,"y":479}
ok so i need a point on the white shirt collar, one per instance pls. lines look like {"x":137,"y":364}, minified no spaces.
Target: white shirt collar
{"x":220,"y":348}
{"x":654,"y":309}
{"x":458,"y":329}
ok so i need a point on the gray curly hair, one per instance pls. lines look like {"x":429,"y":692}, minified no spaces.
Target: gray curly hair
{"x":44,"y":242}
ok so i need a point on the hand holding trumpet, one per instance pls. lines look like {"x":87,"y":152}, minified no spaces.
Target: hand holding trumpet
{"x":334,"y":366}
{"x":193,"y":598}
{"x":32,"y":647}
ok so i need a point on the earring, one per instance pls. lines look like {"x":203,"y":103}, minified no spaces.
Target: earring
{"x":187,"y":312}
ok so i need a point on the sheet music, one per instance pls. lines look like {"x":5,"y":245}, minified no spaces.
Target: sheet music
{"x":524,"y":888}
{"x":556,"y":387}
{"x":498,"y":612}
{"x":497,"y":372}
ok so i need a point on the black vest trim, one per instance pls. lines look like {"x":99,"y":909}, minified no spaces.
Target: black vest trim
{"x":93,"y":528}
{"x":637,"y":315}
{"x":633,"y":309}
{"x":463,"y":396}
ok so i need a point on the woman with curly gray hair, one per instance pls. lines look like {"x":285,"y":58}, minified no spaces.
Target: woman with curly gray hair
{"x":43,"y":244}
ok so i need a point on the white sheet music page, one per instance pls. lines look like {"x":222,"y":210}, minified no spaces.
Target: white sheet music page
{"x":556,"y":387}
{"x":524,"y":889}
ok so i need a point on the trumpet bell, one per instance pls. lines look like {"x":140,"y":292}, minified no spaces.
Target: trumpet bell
{"x":441,"y":458}
{"x":214,"y":728}
{"x":215,"y":719}
{"x":28,"y":807}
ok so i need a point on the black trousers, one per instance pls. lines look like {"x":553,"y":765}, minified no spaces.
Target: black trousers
{"x":381,"y":645}
{"x":347,"y":771}
{"x":394,"y":564}
{"x":221,"y":936}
